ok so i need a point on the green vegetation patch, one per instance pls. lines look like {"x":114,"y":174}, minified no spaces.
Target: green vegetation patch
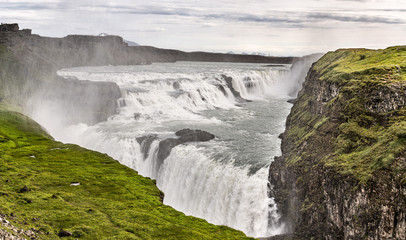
{"x":366,"y":120}
{"x":49,"y":186}
{"x":361,"y":152}
{"x":380,"y":65}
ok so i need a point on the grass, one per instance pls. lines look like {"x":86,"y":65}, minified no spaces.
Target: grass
{"x":365,"y":139}
{"x":111,"y":202}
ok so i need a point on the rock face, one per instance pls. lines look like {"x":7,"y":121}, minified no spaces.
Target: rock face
{"x":342,"y":173}
{"x":77,"y":101}
{"x":145,"y":142}
{"x":229,"y":82}
{"x":184,"y":135}
{"x":11,"y":232}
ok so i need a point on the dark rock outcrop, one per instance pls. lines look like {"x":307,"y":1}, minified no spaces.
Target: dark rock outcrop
{"x":64,"y":233}
{"x":145,"y":142}
{"x":12,"y":27}
{"x":184,"y":135}
{"x":236,"y":94}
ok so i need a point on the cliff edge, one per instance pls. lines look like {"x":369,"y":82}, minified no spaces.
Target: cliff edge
{"x":342,"y":173}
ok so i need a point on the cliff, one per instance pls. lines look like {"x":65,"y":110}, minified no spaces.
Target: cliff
{"x":83,"y":50}
{"x":342,"y":173}
{"x":28,"y":65}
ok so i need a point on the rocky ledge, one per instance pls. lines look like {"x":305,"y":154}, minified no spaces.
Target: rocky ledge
{"x":184,"y":135}
{"x":342,"y":173}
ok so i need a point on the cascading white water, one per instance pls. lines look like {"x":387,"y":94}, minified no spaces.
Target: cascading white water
{"x":223,"y":181}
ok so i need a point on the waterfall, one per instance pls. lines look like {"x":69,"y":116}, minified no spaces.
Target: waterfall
{"x":224,"y":180}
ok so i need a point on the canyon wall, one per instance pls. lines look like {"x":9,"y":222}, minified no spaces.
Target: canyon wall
{"x":28,"y":65}
{"x":342,"y":173}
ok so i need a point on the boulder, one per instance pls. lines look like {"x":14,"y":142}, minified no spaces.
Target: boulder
{"x":185,"y":135}
{"x":64,"y":233}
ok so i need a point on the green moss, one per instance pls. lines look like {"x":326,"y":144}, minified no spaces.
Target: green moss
{"x":322,"y":121}
{"x":361,"y":152}
{"x":111,"y":202}
{"x":349,"y":60}
{"x":364,"y":141}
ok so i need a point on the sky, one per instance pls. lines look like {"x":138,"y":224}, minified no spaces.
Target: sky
{"x":278,"y":28}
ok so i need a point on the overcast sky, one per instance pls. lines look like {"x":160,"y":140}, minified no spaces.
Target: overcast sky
{"x":283,"y":27}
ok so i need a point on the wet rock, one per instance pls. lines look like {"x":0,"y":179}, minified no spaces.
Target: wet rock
{"x":137,"y":116}
{"x":222,"y":89}
{"x":145,"y":142}
{"x":229,"y":82}
{"x":176,"y":85}
{"x":190,"y":135}
{"x":249,"y":82}
{"x":185,"y":135}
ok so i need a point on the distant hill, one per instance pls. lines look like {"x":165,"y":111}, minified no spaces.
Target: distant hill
{"x":130,"y":43}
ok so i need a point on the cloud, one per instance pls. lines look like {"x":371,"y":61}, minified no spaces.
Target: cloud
{"x":149,"y":10}
{"x":195,"y":24}
{"x":389,"y":10}
{"x":353,"y":18}
{"x":295,"y":19}
{"x":24,"y":6}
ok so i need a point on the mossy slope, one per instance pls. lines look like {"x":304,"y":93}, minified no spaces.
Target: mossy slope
{"x":342,"y":174}
{"x":111,"y":202}
{"x":359,"y":99}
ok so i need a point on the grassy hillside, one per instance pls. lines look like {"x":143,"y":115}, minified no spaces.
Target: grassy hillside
{"x":111,"y":202}
{"x":363,"y":105}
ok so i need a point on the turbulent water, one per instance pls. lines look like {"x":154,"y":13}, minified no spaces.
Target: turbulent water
{"x":224,"y":180}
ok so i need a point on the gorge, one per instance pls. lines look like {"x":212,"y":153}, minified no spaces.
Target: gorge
{"x":342,"y":147}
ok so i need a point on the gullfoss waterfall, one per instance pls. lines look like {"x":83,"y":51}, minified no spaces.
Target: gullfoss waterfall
{"x":225,"y":180}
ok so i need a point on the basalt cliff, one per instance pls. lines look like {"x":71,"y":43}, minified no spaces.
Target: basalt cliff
{"x":342,"y":173}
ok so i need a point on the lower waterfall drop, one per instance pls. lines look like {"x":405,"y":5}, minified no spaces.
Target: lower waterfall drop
{"x":224,"y":180}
